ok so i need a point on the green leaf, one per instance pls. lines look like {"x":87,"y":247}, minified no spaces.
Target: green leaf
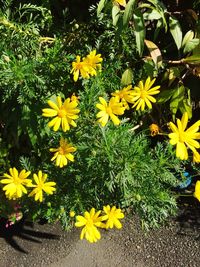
{"x":115,"y":14}
{"x":188,"y":37}
{"x":195,"y":59}
{"x":127,"y":77}
{"x":176,"y":31}
{"x":165,"y":95}
{"x":177,"y":97}
{"x":191,"y":45}
{"x":100,"y":6}
{"x":139,"y":30}
{"x":152,"y":14}
{"x":128,"y":12}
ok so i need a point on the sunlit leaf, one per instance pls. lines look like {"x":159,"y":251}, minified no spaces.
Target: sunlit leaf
{"x":115,"y":14}
{"x":128,"y":12}
{"x":139,"y":30}
{"x":100,"y":6}
{"x":177,"y":97}
{"x":176,"y":31}
{"x":188,"y":37}
{"x":127,"y":77}
{"x":190,"y":45}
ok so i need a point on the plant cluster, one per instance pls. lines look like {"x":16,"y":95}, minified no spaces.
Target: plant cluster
{"x":97,"y":118}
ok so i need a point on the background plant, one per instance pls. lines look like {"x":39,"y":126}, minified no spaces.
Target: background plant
{"x":121,"y":165}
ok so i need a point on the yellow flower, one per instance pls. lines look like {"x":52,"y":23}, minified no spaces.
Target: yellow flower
{"x":183,"y":138}
{"x":120,"y":2}
{"x":196,"y":156}
{"x":15,"y":183}
{"x":90,"y":221}
{"x":93,"y":61}
{"x":143,"y":94}
{"x":64,"y":114}
{"x":110,"y":110}
{"x":72,"y":213}
{"x":80,"y":68}
{"x":197,"y":190}
{"x":75,"y":98}
{"x":63,"y":153}
{"x":112,"y":216}
{"x":125,"y":95}
{"x":41,"y":186}
{"x":154,"y":129}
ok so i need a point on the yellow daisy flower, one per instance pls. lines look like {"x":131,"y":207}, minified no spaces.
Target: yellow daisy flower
{"x":183,"y":138}
{"x":110,"y":110}
{"x":90,"y":221}
{"x":63,"y":153}
{"x":197,"y":190}
{"x":80,"y":68}
{"x":125,"y":96}
{"x":75,"y":98}
{"x":120,"y":2}
{"x":64,"y":114}
{"x":41,"y":186}
{"x":15,"y":183}
{"x":112,"y":216}
{"x":94,"y":61}
{"x":143,"y":94}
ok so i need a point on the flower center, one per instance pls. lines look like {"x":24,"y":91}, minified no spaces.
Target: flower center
{"x":62,"y":113}
{"x":182,"y":137}
{"x":61,"y":150}
{"x":143,"y":94}
{"x":18,"y":181}
{"x":79,"y":66}
{"x":90,"y":222}
{"x":108,"y":110}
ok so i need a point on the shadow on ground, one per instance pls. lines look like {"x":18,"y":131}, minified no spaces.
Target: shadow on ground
{"x":189,"y":217}
{"x":23,"y":230}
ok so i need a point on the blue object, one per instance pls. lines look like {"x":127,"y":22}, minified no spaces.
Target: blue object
{"x":187,"y":182}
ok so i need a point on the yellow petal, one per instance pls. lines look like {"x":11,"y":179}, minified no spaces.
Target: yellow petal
{"x":181,"y":151}
{"x":48,"y":112}
{"x":53,"y":105}
{"x":184,"y":120}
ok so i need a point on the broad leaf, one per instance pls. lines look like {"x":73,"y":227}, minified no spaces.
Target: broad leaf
{"x":115,"y":14}
{"x":188,"y":37}
{"x":177,"y":97}
{"x":195,"y":59}
{"x":139,"y":30}
{"x":165,"y":95}
{"x":100,"y":6}
{"x":190,"y":45}
{"x":176,"y":31}
{"x":127,"y":77}
{"x":128,"y":12}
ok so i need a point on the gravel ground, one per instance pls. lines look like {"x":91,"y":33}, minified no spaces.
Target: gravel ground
{"x":175,"y":245}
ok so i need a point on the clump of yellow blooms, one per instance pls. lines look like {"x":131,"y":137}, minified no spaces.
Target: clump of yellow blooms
{"x":93,"y":220}
{"x":86,"y":67}
{"x":17,"y":183}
